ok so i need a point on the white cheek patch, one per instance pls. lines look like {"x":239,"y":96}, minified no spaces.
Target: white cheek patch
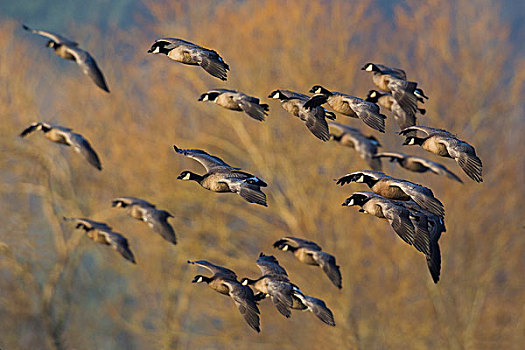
{"x":412,"y":141}
{"x":369,"y":68}
{"x":186,"y":177}
{"x":373,"y":94}
{"x":157,"y":49}
{"x":360,"y":179}
{"x":244,"y":283}
{"x":351,"y":202}
{"x":285,"y":248}
{"x":205,"y":98}
{"x":276,"y":95}
{"x":199,"y":280}
{"x":318,"y":91}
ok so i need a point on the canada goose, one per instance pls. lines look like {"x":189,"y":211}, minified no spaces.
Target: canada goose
{"x":366,"y":146}
{"x":445,"y":144}
{"x":393,"y":188}
{"x":66,"y":136}
{"x":387,"y":101}
{"x":225,"y":282}
{"x":273,"y":283}
{"x":310,"y":253}
{"x":145,"y":211}
{"x":237,"y":101}
{"x":391,"y":80}
{"x":189,"y":53}
{"x":400,"y":218}
{"x":418,"y":165}
{"x":102,"y":233}
{"x":69,"y":50}
{"x":348,"y":105}
{"x":314,"y":117}
{"x":220,"y":177}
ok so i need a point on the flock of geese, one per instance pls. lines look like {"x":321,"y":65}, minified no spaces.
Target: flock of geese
{"x":412,"y":210}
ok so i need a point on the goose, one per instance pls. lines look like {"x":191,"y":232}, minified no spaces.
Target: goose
{"x":66,"y":136}
{"x":189,"y":53}
{"x":145,"y":211}
{"x":348,"y":105}
{"x":310,"y":253}
{"x":387,"y":101}
{"x":365,"y":146}
{"x":224,"y":281}
{"x":393,"y":188}
{"x":445,"y":144}
{"x":393,"y":80}
{"x":221,"y":177}
{"x":314,"y":117}
{"x":400,"y":218}
{"x":237,"y":101}
{"x":273,"y":283}
{"x":418,"y":164}
{"x":69,"y":50}
{"x":102,"y":233}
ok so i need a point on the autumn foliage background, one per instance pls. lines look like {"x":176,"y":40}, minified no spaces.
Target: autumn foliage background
{"x":59,"y":290}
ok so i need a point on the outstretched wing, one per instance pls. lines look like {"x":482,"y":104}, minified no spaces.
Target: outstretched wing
{"x":465,"y":156}
{"x":245,"y":301}
{"x":207,"y":160}
{"x":329,"y":266}
{"x":59,"y":39}
{"x":119,"y":243}
{"x":427,"y":130}
{"x":437,"y":168}
{"x":158,"y":221}
{"x":215,"y":269}
{"x":421,"y":195}
{"x":89,"y":66}
{"x":81,"y":145}
{"x":269,"y":265}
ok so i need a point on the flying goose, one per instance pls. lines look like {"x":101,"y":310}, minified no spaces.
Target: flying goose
{"x":220,"y":177}
{"x":237,"y":101}
{"x":387,"y":101}
{"x":393,"y":80}
{"x":102,"y":233}
{"x":418,"y":164}
{"x":393,"y":188}
{"x":365,"y":146}
{"x":445,"y":144}
{"x":69,"y":50}
{"x":313,"y":117}
{"x":145,"y":211}
{"x":310,"y":253}
{"x":400,"y":218}
{"x":189,"y":53}
{"x":225,"y":282}
{"x":66,"y":136}
{"x":348,"y":105}
{"x":273,"y":283}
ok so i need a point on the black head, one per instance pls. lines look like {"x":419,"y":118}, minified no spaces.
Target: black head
{"x":209,"y":96}
{"x":159,"y":47}
{"x":187,"y":176}
{"x":413,"y":140}
{"x":277,"y":94}
{"x":334,"y":137}
{"x":364,"y":178}
{"x":51,"y":44}
{"x":373,"y":96}
{"x":119,"y":204}
{"x":318,"y":89}
{"x":200,"y":279}
{"x":370,"y":67}
{"x":374,"y":141}
{"x":246,"y":281}
{"x":355,"y":199}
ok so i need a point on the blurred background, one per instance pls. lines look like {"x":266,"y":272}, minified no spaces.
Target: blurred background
{"x":59,"y":290}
